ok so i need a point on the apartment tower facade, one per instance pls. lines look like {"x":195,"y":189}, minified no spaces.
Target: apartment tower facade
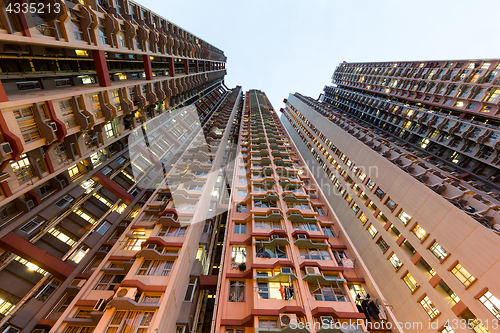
{"x":408,"y":154}
{"x":288,"y":264}
{"x":98,"y":103}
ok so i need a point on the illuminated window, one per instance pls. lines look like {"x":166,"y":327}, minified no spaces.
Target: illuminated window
{"x":239,"y":254}
{"x":491,"y":303}
{"x":410,"y":282}
{"x":404,"y":217}
{"x":463,"y":275}
{"x":394,"y":260}
{"x":419,"y":232}
{"x":7,"y":302}
{"x":438,"y":251}
{"x":362,"y":217}
{"x":22,"y":169}
{"x":79,"y":254}
{"x":133,"y":244}
{"x":108,"y":128}
{"x":429,"y":307}
{"x":61,"y":236}
{"x":85,"y":215}
{"x":96,"y":105}
{"x":371,"y":229}
{"x":74,"y":171}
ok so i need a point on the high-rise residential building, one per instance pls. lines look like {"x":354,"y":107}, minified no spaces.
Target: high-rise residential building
{"x":288,"y":264}
{"x":406,"y":154}
{"x":98,"y":103}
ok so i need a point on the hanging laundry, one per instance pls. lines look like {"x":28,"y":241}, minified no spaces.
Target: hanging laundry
{"x":282,"y":291}
{"x":373,"y":310}
{"x":381,"y":312}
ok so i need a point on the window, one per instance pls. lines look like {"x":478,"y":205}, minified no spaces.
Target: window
{"x":305,"y":226}
{"x":394,"y":260}
{"x":130,"y":321}
{"x":79,"y":254}
{"x":362,"y":217}
{"x":491,"y":303}
{"x":96,"y":105}
{"x":239,"y":254}
{"x":64,"y":303}
{"x":109,"y":281}
{"x":85,"y":215}
{"x":329,"y":231}
{"x":404,"y":217}
{"x":22,"y":169}
{"x":74,"y":171}
{"x":328,"y":292}
{"x":7,"y":302}
{"x":268,"y":323}
{"x":419,"y":232}
{"x":150,"y":299}
{"x":382,"y":244}
{"x":241,"y":208}
{"x":314,"y":254}
{"x":379,"y":193}
{"x":355,"y":208}
{"x":276,"y":225}
{"x":156,"y":267}
{"x":429,"y":307}
{"x":61,"y":235}
{"x":190,"y":289}
{"x":172,"y":232}
{"x":391,"y":204}
{"x":410,"y":282}
{"x":438,"y":251}
{"x":463,"y":275}
{"x":133,"y":244}
{"x":27,"y":124}
{"x":266,"y":251}
{"x":242,"y":192}
{"x":108,"y":128}
{"x":236,"y":291}
{"x":319,"y":210}
{"x":240,"y":228}
{"x":32,"y":225}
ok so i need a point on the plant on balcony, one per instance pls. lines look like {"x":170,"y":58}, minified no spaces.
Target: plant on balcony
{"x":242,"y":267}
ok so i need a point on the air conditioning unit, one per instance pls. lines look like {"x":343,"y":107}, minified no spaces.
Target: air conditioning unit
{"x":63,"y":182}
{"x":100,"y":305}
{"x":7,"y":148}
{"x":286,"y":270}
{"x":312,"y":270}
{"x":287,"y":319}
{"x":302,"y":236}
{"x":126,"y":292}
{"x":326,"y":320}
{"x":53,"y":125}
{"x":30,"y":203}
